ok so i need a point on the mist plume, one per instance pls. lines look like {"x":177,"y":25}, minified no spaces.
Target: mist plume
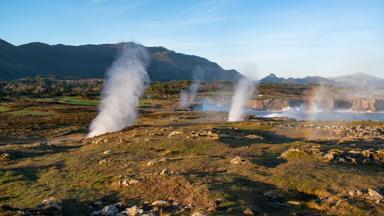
{"x":244,"y":90}
{"x":125,"y":82}
{"x":188,"y":96}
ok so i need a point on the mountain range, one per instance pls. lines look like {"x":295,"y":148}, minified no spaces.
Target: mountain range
{"x":91,"y":61}
{"x":357,"y":79}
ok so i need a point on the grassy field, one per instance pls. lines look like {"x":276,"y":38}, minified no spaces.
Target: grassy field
{"x":3,"y":109}
{"x":193,"y":158}
{"x":30,"y":112}
{"x":70,"y":101}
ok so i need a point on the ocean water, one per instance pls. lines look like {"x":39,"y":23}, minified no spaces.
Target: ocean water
{"x":301,"y":114}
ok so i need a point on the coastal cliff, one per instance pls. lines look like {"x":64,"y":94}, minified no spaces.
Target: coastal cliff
{"x":353,"y":104}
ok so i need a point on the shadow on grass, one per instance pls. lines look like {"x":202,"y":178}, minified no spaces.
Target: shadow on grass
{"x":30,"y":173}
{"x":70,"y":207}
{"x":362,"y":169}
{"x":21,"y":140}
{"x":241,"y":137}
{"x":38,"y":151}
{"x":269,"y":160}
{"x":240,"y":193}
{"x":77,"y":207}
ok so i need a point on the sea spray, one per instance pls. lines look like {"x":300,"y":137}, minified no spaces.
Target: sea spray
{"x":125,"y":82}
{"x":244,"y":90}
{"x":188,"y":96}
{"x":318,"y":102}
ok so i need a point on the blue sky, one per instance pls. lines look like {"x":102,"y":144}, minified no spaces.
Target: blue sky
{"x":291,"y":38}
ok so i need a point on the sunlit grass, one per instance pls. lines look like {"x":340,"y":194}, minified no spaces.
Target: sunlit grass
{"x":70,"y":101}
{"x":3,"y":109}
{"x":31,"y":112}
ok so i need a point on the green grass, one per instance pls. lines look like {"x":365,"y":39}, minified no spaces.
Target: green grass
{"x":202,"y":168}
{"x":3,"y":109}
{"x":78,"y":101}
{"x":5,"y":177}
{"x":31,"y":112}
{"x":71,"y":101}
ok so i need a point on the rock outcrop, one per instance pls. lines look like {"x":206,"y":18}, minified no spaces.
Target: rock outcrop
{"x":355,"y":104}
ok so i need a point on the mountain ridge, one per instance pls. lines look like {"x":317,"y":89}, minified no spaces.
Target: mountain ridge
{"x":92,"y":60}
{"x":356,"y":79}
{"x":360,"y":79}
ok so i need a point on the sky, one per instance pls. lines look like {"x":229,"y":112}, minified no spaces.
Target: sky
{"x":291,"y":38}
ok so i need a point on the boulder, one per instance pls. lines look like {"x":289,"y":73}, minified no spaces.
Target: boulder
{"x":151,"y":162}
{"x":289,"y":151}
{"x":248,"y":211}
{"x":51,"y":203}
{"x":331,"y":154}
{"x":127,"y":182}
{"x":175,"y":133}
{"x":107,"y":152}
{"x":236,"y":160}
{"x":161,"y":203}
{"x":198,"y":213}
{"x":374,"y":194}
{"x":109,"y":210}
{"x":103,"y":161}
{"x":5,"y":157}
{"x":133,"y":211}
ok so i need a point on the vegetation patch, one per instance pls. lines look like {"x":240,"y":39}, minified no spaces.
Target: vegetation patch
{"x":70,"y":101}
{"x":3,"y":109}
{"x":185,"y":159}
{"x":31,"y":112}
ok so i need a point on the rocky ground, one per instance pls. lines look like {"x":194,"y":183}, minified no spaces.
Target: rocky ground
{"x":179,"y":162}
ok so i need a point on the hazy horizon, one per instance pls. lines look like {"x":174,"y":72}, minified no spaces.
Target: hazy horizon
{"x":289,"y":38}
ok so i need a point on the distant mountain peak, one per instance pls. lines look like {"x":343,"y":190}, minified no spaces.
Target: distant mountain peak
{"x":358,"y":74}
{"x":272,"y":78}
{"x":360,"y":79}
{"x":34,"y":44}
{"x":272,"y":75}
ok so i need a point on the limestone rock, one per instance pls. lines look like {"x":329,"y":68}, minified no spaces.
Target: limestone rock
{"x":374,"y":194}
{"x":248,"y":211}
{"x":175,"y":133}
{"x":236,"y":160}
{"x":5,"y":157}
{"x":198,"y":214}
{"x":103,"y":161}
{"x":107,"y":152}
{"x":151,"y":163}
{"x":160,"y":203}
{"x":289,"y":151}
{"x":109,"y":210}
{"x":50,"y":203}
{"x":133,"y":211}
